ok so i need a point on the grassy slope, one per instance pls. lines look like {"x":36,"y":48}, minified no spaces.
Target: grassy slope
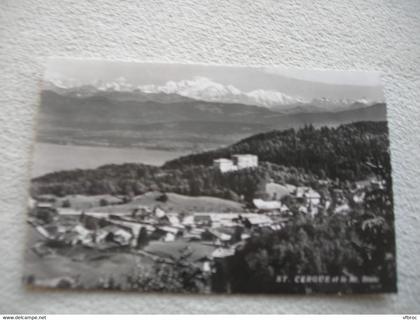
{"x":175,"y":202}
{"x":175,"y":249}
{"x":86,"y":202}
{"x":79,"y":261}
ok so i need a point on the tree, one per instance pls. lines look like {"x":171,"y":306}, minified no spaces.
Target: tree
{"x":143,"y":238}
{"x":162,"y":198}
{"x":66,"y":204}
{"x":237,"y":235}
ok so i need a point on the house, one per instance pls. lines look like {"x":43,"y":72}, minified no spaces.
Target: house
{"x":223,"y":252}
{"x":276,"y":191}
{"x":224,"y":165}
{"x":308,"y":194}
{"x":169,"y":233}
{"x":377,"y":184}
{"x":266,"y":205}
{"x":115,"y":234}
{"x":43,"y":231}
{"x":82,"y":235}
{"x":245,"y":236}
{"x":303,"y":209}
{"x":188,"y":220}
{"x":205,"y":264}
{"x":45,"y":205}
{"x":174,"y":221}
{"x":169,"y":237}
{"x":222,"y":242}
{"x":313,"y":209}
{"x":141,"y":212}
{"x":260,"y":220}
{"x":243,"y":161}
{"x":323,"y":182}
{"x":342,"y":209}
{"x":237,"y":162}
{"x":161,"y":216}
{"x":285,"y":209}
{"x":223,"y":237}
{"x":359,"y":196}
{"x":202,"y":221}
{"x":276,"y":226}
{"x":159,"y":213}
{"x":170,"y":229}
{"x":338,"y":194}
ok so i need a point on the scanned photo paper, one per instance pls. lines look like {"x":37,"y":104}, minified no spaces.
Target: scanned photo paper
{"x":182,"y":178}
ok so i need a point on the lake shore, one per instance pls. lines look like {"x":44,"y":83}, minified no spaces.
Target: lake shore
{"x":50,"y":157}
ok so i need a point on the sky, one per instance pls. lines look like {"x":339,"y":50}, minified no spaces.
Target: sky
{"x":304,"y":84}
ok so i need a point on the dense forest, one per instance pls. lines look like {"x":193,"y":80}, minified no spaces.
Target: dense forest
{"x":353,"y":246}
{"x":136,"y":179}
{"x":299,"y":157}
{"x":343,"y":152}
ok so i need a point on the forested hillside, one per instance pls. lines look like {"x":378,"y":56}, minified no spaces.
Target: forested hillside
{"x":135,"y":179}
{"x":344,"y":152}
{"x":349,"y":152}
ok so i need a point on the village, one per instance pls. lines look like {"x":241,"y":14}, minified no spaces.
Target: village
{"x":202,"y":238}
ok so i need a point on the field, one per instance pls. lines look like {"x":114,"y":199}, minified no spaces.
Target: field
{"x":174,"y":249}
{"x":93,"y":268}
{"x":82,"y":202}
{"x":175,"y":203}
{"x":89,"y":266}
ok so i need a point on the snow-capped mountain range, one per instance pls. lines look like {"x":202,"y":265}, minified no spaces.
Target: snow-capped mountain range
{"x":202,"y":89}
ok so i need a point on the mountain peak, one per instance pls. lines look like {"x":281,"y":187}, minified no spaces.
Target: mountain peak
{"x":203,"y":89}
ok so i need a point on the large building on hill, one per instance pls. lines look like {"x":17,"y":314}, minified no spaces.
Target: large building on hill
{"x":237,"y":162}
{"x":224,"y":165}
{"x":243,"y":161}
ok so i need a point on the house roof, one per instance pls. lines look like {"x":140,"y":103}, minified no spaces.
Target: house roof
{"x":160,"y":213}
{"x":222,"y":160}
{"x":46,"y":205}
{"x":266,"y":205}
{"x":223,"y":252}
{"x":307,"y":192}
{"x":244,"y":155}
{"x":279,"y":189}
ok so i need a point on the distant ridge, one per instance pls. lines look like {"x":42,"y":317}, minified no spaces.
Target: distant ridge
{"x":178,"y":125}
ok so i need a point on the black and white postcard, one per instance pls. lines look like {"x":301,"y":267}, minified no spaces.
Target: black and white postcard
{"x":182,"y":178}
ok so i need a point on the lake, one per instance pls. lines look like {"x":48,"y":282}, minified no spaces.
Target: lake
{"x":50,"y":157}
